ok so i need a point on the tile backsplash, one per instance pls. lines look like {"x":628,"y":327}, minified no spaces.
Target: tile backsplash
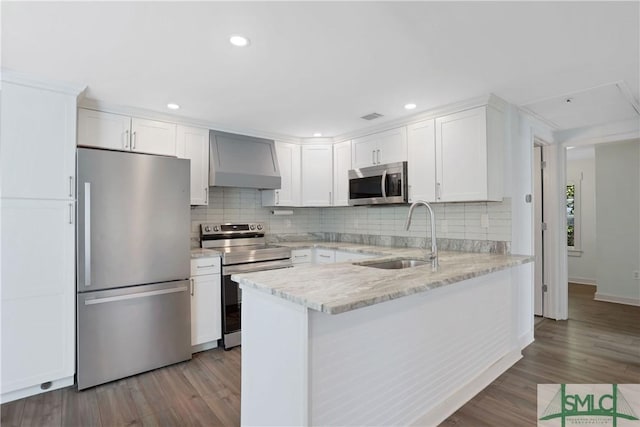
{"x":459,"y":221}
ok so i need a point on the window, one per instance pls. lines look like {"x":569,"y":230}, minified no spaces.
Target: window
{"x":573,"y":217}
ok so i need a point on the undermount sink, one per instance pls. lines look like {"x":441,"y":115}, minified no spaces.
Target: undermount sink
{"x":396,"y":264}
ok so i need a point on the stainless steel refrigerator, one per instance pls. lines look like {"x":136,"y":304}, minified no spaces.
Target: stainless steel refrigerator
{"x":133,"y":307}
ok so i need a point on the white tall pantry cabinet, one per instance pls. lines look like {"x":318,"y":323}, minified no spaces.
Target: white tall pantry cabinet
{"x":37,"y":155}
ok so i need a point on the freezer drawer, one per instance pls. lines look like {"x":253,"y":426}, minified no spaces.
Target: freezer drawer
{"x":126,"y":331}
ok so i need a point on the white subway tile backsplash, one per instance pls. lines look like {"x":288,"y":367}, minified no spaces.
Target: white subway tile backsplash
{"x":463,"y":219}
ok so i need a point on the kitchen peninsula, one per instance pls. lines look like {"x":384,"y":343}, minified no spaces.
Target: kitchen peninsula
{"x":349,"y":344}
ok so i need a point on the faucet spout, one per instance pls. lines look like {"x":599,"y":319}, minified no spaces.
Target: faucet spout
{"x":432,"y":218}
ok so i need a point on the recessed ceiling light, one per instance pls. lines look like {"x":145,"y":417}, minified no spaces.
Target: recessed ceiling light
{"x":172,"y":106}
{"x":240,"y":41}
{"x":317,"y":134}
{"x":409,"y":106}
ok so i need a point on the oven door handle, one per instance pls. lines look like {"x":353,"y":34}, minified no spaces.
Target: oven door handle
{"x":251,"y":268}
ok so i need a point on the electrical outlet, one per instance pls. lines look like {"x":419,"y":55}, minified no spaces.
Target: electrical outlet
{"x":636,"y":275}
{"x":484,"y":220}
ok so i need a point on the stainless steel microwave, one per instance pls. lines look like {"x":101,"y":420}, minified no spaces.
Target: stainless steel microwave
{"x":378,"y":185}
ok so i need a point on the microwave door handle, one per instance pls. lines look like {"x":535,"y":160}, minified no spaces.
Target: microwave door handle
{"x":383,"y":184}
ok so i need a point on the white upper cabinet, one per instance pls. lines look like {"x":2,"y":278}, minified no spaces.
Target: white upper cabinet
{"x":153,"y":137}
{"x":469,"y":147}
{"x":193,"y":144}
{"x":103,"y":130}
{"x":37,"y":154}
{"x":341,"y":167}
{"x":289,"y":163}
{"x":118,"y":132}
{"x":379,"y":148}
{"x":317,"y":175}
{"x":421,"y":167}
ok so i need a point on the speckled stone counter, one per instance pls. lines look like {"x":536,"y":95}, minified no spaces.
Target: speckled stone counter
{"x":342,"y":287}
{"x":204,"y":253}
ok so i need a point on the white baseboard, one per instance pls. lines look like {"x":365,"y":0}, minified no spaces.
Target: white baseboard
{"x":616,"y":299}
{"x":31,"y":391}
{"x":454,"y":402}
{"x":203,"y":347}
{"x":525,"y":340}
{"x":582,"y":281}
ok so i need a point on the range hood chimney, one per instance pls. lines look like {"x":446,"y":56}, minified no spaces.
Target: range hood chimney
{"x":242,"y":161}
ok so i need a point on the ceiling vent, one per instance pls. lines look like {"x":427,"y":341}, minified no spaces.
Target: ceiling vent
{"x":371,"y":116}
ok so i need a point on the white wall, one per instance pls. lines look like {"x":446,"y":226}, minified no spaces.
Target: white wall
{"x":617,"y":168}
{"x":581,"y":171}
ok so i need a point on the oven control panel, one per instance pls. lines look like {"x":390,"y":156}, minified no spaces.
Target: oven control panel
{"x":232,"y":229}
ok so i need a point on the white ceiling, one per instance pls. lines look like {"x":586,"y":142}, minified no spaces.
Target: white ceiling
{"x":318,"y":67}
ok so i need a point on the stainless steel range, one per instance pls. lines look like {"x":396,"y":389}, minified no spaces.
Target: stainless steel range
{"x":243,"y":250}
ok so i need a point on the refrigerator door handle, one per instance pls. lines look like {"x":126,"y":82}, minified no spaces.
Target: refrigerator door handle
{"x":87,"y":234}
{"x":134,"y":296}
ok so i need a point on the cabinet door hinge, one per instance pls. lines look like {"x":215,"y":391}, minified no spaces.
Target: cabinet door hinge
{"x":543,"y":164}
{"x":545,"y":288}
{"x":543,"y":226}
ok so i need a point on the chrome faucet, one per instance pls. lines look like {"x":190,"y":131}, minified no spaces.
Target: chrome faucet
{"x":434,"y":247}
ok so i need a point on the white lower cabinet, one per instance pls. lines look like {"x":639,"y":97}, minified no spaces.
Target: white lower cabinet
{"x":206,"y":310}
{"x":38,"y":296}
{"x":301,"y":256}
{"x":324,"y":256}
{"x":344,"y":256}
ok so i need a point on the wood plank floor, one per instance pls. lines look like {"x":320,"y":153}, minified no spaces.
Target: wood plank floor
{"x":599,"y":344}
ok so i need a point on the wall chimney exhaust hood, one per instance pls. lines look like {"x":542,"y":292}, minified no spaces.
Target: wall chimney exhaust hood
{"x":242,"y":161}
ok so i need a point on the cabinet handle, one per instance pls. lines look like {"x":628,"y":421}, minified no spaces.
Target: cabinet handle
{"x":206,"y":196}
{"x":438,"y":191}
{"x":192,"y":287}
{"x":373,"y":157}
{"x":133,"y":140}
{"x":126,"y":139}
{"x":325,"y":256}
{"x":300,"y":256}
{"x":330,"y":200}
{"x":277,"y":197}
{"x":409,"y":193}
{"x":378,"y":151}
{"x":70,"y":213}
{"x":70,"y":186}
{"x":205,"y":266}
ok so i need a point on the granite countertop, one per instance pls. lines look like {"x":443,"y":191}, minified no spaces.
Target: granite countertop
{"x":340,"y":287}
{"x":204,"y":253}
